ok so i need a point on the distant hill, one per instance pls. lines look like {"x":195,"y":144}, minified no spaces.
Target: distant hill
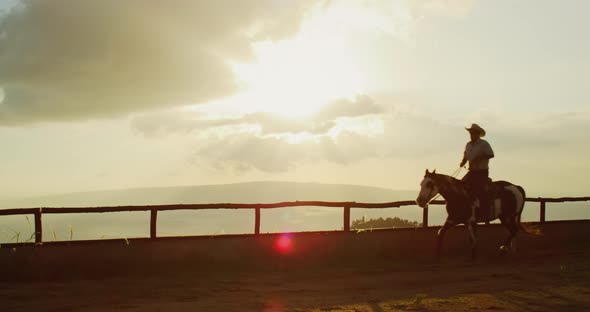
{"x":251,"y":192}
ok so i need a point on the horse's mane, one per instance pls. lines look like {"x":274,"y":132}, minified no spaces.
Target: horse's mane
{"x":446,"y":178}
{"x":448,"y":184}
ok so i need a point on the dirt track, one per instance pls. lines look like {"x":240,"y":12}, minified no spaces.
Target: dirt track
{"x":550,"y":280}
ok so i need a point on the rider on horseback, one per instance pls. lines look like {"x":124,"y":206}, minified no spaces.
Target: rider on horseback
{"x":478,"y":152}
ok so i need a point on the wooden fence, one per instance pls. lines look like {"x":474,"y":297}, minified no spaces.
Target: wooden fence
{"x":38,"y":212}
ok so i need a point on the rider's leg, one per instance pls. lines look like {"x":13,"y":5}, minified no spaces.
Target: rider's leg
{"x":480,"y":183}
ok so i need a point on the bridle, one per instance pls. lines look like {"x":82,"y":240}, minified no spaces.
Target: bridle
{"x":454,"y":175}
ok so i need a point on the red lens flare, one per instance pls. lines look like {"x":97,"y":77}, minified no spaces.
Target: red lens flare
{"x":274,"y":305}
{"x":284,"y":243}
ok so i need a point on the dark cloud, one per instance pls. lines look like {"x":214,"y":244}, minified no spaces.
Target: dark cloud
{"x":80,"y":59}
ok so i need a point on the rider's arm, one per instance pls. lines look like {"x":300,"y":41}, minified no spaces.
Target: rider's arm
{"x":487,"y":151}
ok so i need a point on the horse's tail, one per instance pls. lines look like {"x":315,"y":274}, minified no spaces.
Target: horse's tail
{"x":527,"y":228}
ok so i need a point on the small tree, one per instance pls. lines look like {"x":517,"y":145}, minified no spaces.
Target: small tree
{"x":394,"y":222}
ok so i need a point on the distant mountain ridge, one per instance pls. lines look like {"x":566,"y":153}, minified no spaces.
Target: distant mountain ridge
{"x":248,"y":192}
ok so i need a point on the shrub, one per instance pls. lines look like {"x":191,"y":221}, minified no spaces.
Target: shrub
{"x":394,"y":222}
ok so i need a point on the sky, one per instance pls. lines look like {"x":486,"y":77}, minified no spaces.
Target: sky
{"x":98,"y":95}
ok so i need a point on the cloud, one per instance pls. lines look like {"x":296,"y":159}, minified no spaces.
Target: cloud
{"x":341,"y":133}
{"x":271,"y":148}
{"x":406,"y":136}
{"x":275,"y":154}
{"x":409,"y":135}
{"x":537,"y":132}
{"x":276,"y":124}
{"x":81,"y":59}
{"x":164,"y":123}
{"x":171,"y":122}
{"x":183,"y":122}
{"x":362,"y":105}
{"x":318,"y":123}
{"x":249,"y":151}
{"x":348,"y":147}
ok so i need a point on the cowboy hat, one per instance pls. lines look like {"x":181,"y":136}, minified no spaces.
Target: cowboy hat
{"x":477,"y":128}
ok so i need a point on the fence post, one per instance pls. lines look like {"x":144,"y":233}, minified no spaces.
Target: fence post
{"x":425,"y":216}
{"x":257,"y":221}
{"x":347,"y":219}
{"x":542,"y":211}
{"x":38,"y":227}
{"x":153,"y":222}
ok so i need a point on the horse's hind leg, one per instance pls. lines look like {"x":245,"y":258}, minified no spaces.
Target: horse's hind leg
{"x":513,"y":229}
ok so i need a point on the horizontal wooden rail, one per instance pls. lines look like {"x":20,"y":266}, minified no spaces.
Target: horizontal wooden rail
{"x":395,"y":204}
{"x":154,"y":209}
{"x":543,"y":201}
{"x":18,"y":211}
{"x":557,"y":199}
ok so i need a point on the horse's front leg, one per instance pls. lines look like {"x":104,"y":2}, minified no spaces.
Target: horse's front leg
{"x":440,"y":234}
{"x":471,"y":230}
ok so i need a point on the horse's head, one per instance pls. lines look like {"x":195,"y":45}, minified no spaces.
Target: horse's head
{"x":428,"y":189}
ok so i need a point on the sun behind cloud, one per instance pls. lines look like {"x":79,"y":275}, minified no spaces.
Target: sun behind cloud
{"x":296,"y":77}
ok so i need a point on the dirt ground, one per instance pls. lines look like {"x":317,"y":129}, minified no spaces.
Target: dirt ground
{"x":546,"y":281}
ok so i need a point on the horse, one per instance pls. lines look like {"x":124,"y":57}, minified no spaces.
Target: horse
{"x":464,"y":208}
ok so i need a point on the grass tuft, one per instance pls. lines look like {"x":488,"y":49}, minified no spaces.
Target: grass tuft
{"x":53,"y":234}
{"x":16,"y":235}
{"x":418,"y":299}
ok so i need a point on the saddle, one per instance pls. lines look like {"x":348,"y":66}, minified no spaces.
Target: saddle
{"x":485,"y":211}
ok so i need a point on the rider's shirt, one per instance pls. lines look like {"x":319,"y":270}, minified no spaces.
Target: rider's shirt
{"x":476,"y":149}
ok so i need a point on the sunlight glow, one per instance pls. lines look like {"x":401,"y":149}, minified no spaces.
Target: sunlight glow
{"x":323,"y":63}
{"x":297,"y":77}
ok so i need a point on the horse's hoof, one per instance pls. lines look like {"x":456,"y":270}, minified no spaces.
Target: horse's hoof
{"x":503,"y":250}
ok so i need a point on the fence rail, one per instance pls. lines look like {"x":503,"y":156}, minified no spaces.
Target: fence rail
{"x":153,"y":209}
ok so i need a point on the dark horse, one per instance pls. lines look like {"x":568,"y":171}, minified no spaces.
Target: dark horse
{"x":463,"y":207}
